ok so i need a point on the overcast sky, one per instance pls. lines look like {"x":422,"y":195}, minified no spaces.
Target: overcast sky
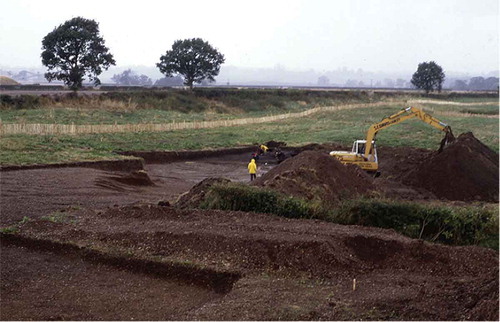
{"x":375,"y":35}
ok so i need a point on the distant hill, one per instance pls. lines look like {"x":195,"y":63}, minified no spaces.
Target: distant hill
{"x":4,"y":80}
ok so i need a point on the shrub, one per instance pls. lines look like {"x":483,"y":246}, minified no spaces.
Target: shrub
{"x":19,"y":102}
{"x":471,"y":225}
{"x":241,"y":197}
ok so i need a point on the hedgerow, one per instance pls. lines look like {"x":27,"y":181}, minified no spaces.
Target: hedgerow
{"x":471,"y":225}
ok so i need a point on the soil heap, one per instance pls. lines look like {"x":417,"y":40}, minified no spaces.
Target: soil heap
{"x":4,"y":80}
{"x":316,"y":175}
{"x":195,"y":196}
{"x":275,"y":144}
{"x":466,"y":170}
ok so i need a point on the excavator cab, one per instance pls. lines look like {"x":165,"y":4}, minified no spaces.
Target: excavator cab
{"x":358,"y":147}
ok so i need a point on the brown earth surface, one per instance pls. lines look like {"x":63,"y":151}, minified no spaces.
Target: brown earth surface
{"x":287,"y":269}
{"x":465,"y":170}
{"x":107,"y":251}
{"x":316,"y":175}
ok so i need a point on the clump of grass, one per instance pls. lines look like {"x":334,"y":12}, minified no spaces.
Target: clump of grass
{"x":15,"y":228}
{"x":61,"y":216}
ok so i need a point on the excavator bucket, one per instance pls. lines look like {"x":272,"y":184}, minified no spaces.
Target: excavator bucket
{"x":448,"y":138}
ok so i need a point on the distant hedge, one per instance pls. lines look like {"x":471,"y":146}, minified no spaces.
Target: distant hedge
{"x":216,"y":98}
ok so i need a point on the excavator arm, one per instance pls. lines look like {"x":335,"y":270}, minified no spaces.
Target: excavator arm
{"x":401,"y":116}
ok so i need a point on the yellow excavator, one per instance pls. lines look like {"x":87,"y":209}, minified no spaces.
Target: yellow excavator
{"x":364,"y":152}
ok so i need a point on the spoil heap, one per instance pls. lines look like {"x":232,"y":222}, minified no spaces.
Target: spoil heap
{"x":4,"y":80}
{"x":315,"y":175}
{"x":466,"y":170}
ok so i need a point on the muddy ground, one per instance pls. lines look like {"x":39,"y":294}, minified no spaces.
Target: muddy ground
{"x":36,"y":192}
{"x":112,"y":253}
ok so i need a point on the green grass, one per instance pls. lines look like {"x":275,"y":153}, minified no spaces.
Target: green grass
{"x":15,"y":228}
{"x":64,"y":115}
{"x":470,"y":97}
{"x":342,"y":127}
{"x":474,"y":224}
{"x":159,"y":106}
{"x":472,"y":109}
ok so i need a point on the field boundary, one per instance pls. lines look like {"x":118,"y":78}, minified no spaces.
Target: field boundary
{"x":436,"y":102}
{"x":72,"y":129}
{"x":106,"y":165}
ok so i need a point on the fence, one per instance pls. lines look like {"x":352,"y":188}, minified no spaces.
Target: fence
{"x":73,"y":129}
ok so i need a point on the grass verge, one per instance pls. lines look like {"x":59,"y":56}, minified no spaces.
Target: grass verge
{"x":471,"y":225}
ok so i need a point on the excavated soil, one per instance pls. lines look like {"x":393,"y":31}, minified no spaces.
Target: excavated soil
{"x":466,"y":170}
{"x":108,"y":249}
{"x":276,"y":268}
{"x":316,"y":175}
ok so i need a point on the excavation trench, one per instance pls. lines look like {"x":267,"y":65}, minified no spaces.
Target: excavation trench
{"x":219,"y":282}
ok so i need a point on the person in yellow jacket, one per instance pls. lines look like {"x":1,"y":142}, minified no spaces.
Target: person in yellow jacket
{"x":252,"y":169}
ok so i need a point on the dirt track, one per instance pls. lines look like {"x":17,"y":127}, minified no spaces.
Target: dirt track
{"x":93,"y":265}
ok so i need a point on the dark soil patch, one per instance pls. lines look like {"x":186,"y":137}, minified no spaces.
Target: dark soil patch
{"x":316,"y":175}
{"x":275,"y":144}
{"x":115,"y":181}
{"x":107,"y":165}
{"x":466,"y":170}
{"x":45,"y":286}
{"x":309,"y":260}
{"x":220,"y":282}
{"x":173,"y":156}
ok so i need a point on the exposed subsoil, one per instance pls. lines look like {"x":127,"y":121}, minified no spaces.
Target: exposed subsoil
{"x":112,"y":253}
{"x":292,"y":269}
{"x":45,"y":286}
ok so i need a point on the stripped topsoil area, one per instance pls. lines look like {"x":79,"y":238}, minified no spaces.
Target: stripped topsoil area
{"x":289,"y":269}
{"x":105,"y":249}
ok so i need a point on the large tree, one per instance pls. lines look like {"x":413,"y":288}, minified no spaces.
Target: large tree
{"x":429,"y":77}
{"x":194,"y":59}
{"x":74,"y":51}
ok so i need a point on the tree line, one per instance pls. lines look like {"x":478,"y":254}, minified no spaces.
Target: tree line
{"x":75,"y":51}
{"x":477,"y":84}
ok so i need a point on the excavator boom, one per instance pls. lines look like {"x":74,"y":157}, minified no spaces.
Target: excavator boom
{"x":364,"y":153}
{"x":403,"y":115}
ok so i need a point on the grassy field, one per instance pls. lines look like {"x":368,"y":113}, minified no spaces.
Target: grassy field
{"x":341,"y":126}
{"x":126,"y":115}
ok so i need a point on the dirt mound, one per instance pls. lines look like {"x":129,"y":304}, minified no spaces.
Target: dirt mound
{"x":316,"y":175}
{"x":275,"y":144}
{"x":194,"y":197}
{"x":4,"y":80}
{"x":466,"y":170}
{"x":115,"y":181}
